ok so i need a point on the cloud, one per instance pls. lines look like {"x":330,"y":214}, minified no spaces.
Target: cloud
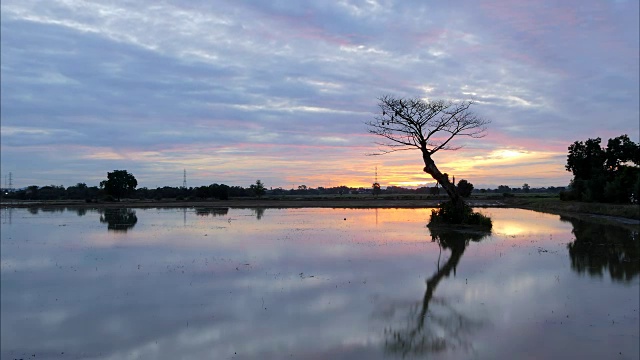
{"x":179,"y":80}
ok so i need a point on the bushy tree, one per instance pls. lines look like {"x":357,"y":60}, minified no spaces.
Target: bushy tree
{"x":376,"y":189}
{"x":119,"y":183}
{"x":465,"y":188}
{"x":79,"y":191}
{"x":258,"y":188}
{"x":603,"y":174}
{"x":585,"y":160}
{"x":219,"y":191}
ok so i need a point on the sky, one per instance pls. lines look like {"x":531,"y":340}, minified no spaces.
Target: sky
{"x":235,"y":91}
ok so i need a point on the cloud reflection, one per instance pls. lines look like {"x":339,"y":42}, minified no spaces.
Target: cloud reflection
{"x":301,"y":283}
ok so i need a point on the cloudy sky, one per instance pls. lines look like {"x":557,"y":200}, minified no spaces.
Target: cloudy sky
{"x":234,"y":91}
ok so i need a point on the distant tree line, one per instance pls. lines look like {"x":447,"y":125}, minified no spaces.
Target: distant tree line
{"x":122,"y":184}
{"x":81,"y":191}
{"x":610,"y":174}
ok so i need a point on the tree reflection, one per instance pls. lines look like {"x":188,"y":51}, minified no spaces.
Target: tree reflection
{"x":212,"y":211}
{"x":259,"y":212}
{"x":435,"y":325}
{"x":601,"y":247}
{"x":118,"y":219}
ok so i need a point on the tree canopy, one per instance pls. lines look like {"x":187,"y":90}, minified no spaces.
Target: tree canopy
{"x":610,"y":174}
{"x":422,"y":124}
{"x":258,"y":188}
{"x":465,"y":188}
{"x":119,"y":183}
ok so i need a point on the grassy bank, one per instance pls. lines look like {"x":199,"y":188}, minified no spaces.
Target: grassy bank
{"x":555,"y":205}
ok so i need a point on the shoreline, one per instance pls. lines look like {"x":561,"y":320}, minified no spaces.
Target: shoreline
{"x":249,"y":203}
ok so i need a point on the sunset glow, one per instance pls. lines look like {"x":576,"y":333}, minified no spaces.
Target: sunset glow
{"x":281,"y":91}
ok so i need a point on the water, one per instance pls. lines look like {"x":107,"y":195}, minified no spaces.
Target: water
{"x":313,"y":284}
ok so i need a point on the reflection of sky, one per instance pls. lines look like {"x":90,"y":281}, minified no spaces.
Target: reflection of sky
{"x":299,"y":282}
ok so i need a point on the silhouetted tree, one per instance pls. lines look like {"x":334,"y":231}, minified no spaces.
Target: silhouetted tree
{"x":375,"y":189}
{"x":585,"y":159}
{"x":428,"y":126}
{"x":51,"y":192}
{"x":119,"y":183}
{"x":621,"y":150}
{"x":611,"y":174}
{"x":465,"y":188}
{"x":219,"y":191}
{"x":258,"y":188}
{"x":78,"y":191}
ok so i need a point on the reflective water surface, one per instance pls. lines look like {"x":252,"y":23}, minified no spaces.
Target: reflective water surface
{"x":211,"y":283}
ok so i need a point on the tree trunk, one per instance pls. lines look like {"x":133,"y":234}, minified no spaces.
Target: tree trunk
{"x":431,"y":169}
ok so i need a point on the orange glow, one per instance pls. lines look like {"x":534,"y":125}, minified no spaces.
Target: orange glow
{"x":329,"y":166}
{"x":516,"y":224}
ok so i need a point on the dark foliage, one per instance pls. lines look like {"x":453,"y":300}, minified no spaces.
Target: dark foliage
{"x":600,"y":248}
{"x":447,"y":213}
{"x":610,"y":174}
{"x":258,"y":188}
{"x":465,"y":188}
{"x":119,"y":183}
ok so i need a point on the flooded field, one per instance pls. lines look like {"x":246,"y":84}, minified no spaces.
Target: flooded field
{"x":202,"y":283}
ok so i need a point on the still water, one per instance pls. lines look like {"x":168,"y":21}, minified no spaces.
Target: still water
{"x":202,"y":283}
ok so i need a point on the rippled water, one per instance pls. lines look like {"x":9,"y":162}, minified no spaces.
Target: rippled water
{"x":313,"y":284}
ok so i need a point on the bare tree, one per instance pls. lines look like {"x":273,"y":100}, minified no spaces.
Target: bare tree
{"x":408,"y":124}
